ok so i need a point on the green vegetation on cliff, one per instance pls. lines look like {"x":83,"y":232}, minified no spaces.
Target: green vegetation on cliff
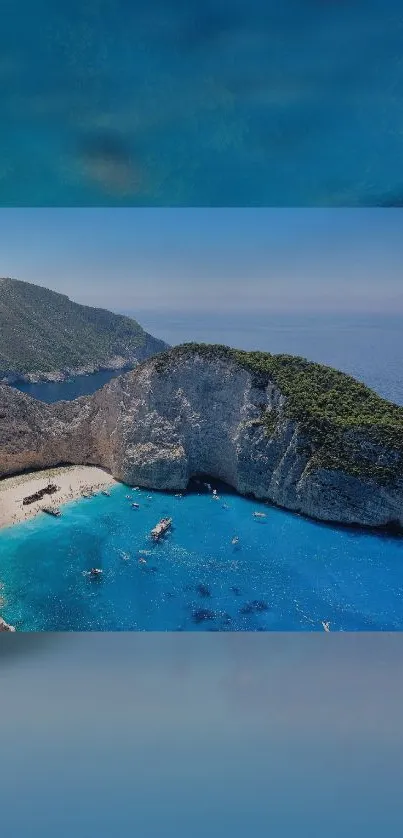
{"x":43,"y":331}
{"x":347,"y":425}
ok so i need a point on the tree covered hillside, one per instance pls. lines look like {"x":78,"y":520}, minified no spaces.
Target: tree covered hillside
{"x":41,"y":330}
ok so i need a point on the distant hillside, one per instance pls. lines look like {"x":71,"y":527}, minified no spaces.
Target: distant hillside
{"x":45,"y":336}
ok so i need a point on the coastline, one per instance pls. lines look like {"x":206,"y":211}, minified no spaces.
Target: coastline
{"x":120,"y":365}
{"x":71,"y":481}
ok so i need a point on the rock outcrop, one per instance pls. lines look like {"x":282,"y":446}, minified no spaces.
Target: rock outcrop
{"x":235,"y":416}
{"x":5,"y":626}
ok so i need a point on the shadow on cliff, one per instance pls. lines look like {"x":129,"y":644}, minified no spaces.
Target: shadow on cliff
{"x":207,"y":483}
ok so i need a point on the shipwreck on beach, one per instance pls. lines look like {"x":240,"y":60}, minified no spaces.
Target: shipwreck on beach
{"x":50,"y":489}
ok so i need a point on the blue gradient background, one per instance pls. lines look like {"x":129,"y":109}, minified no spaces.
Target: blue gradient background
{"x":177,"y":735}
{"x":201,"y":103}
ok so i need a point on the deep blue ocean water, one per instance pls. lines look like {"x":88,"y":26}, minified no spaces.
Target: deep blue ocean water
{"x":169,"y":103}
{"x":73,"y":388}
{"x":286,"y":573}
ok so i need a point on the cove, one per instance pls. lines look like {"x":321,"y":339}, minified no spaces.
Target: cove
{"x":72,"y":388}
{"x":286,"y":573}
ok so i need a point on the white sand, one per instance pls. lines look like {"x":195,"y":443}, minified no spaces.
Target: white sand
{"x":71,"y":482}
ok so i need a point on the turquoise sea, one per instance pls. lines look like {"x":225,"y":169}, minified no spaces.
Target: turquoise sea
{"x":285,"y":573}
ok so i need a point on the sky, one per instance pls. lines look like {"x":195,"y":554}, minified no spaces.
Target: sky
{"x":210,"y":260}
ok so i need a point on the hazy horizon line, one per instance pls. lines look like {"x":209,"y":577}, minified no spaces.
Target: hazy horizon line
{"x":158,"y":310}
{"x":209,"y":312}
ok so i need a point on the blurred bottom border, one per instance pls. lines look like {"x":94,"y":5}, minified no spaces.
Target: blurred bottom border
{"x":154,"y":734}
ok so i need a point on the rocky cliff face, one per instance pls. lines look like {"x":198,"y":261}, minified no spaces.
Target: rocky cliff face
{"x":190,"y":414}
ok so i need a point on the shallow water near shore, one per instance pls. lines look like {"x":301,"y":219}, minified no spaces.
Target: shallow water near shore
{"x":286,"y":572}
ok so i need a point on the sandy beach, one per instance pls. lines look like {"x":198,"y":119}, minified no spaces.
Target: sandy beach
{"x":71,"y":481}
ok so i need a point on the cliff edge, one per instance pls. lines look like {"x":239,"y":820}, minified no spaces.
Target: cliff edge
{"x":304,"y":436}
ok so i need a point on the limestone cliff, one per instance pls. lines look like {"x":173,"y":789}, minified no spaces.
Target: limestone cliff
{"x":302,"y":436}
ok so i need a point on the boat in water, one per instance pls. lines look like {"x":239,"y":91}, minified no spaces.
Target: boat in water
{"x":161,"y":528}
{"x":52,"y":510}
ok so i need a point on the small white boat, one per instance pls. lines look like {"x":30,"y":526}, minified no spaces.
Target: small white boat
{"x":95,"y":571}
{"x":52,"y":510}
{"x":161,"y":528}
{"x":107,"y":494}
{"x":259,"y":514}
{"x":326,"y":625}
{"x":235,"y":540}
{"x":136,"y":505}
